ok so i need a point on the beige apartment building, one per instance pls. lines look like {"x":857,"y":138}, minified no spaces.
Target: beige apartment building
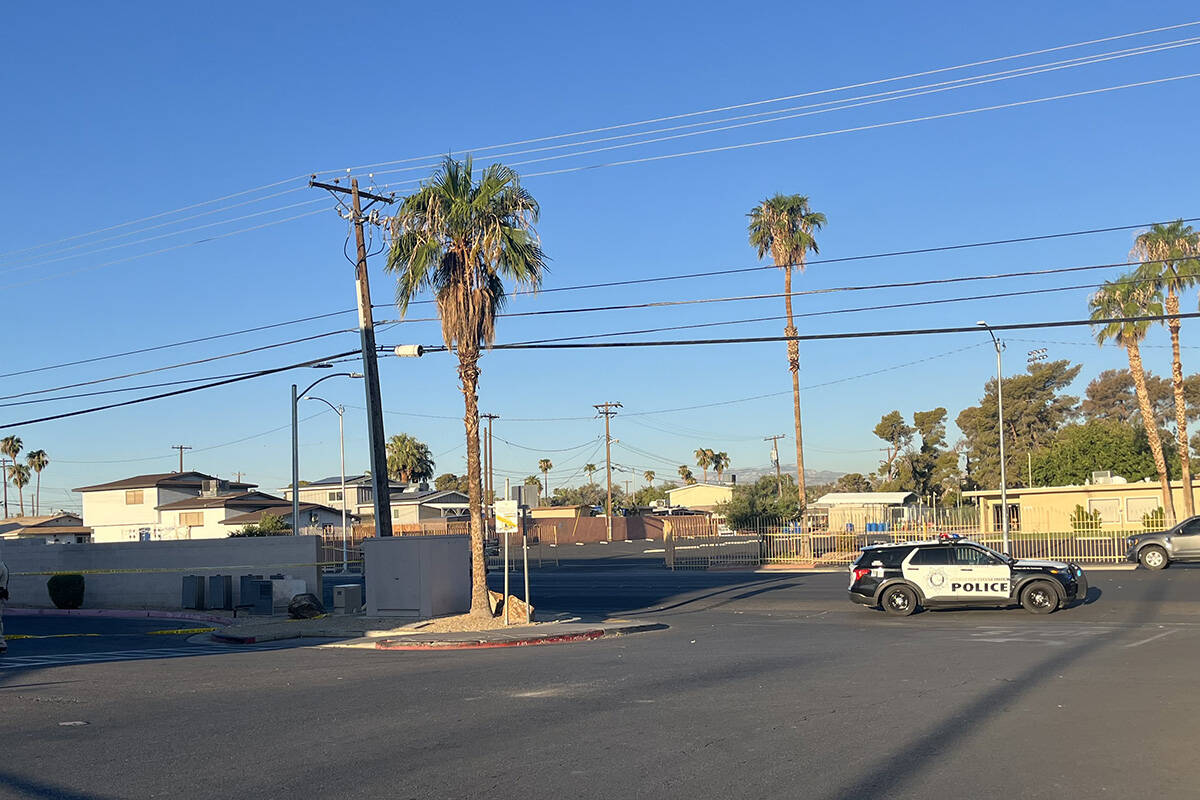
{"x":1049,"y":509}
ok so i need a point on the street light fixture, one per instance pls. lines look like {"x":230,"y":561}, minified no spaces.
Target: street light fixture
{"x":296,"y":439}
{"x":999,"y":345}
{"x":341,"y":412}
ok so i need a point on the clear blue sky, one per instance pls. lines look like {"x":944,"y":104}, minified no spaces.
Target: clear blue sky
{"x":120,"y":111}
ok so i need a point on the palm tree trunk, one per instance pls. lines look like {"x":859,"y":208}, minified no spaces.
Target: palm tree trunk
{"x":468,"y":374}
{"x":21,"y":498}
{"x":1139,"y":382}
{"x":37,"y":497}
{"x":1181,"y":436}
{"x":794,"y":366}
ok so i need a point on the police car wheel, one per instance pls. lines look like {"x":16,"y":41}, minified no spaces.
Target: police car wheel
{"x":1039,"y":597}
{"x":1153,"y":557}
{"x":899,"y":601}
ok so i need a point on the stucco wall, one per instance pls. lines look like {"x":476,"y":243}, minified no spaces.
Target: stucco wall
{"x":161,"y":586}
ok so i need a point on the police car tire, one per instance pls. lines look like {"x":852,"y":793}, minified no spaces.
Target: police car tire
{"x":1032,"y":597}
{"x":899,"y":601}
{"x":1154,"y":557}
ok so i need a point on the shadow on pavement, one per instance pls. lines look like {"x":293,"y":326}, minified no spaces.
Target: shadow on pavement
{"x":29,"y":787}
{"x":885,"y":778}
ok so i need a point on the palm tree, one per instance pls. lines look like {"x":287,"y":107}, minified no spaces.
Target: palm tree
{"x":591,"y":470}
{"x":720,"y":462}
{"x":461,"y":238}
{"x":704,"y":460}
{"x":685,"y":474}
{"x":1127,"y":297}
{"x":19,"y":475}
{"x":534,"y":480}
{"x":1169,"y":255}
{"x":408,"y":459}
{"x":649,"y":476}
{"x":37,"y":461}
{"x":783,"y":226}
{"x":11,"y":447}
{"x":544,"y":467}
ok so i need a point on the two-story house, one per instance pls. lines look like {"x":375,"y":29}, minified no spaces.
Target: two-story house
{"x":410,"y":502}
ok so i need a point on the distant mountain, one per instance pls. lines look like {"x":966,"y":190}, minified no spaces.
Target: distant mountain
{"x":812,"y":476}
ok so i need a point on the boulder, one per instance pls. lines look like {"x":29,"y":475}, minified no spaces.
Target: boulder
{"x":516,"y":610}
{"x":495,"y":602}
{"x":305,"y":606}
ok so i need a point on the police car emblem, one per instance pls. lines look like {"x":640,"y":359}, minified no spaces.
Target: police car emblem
{"x":937,"y":577}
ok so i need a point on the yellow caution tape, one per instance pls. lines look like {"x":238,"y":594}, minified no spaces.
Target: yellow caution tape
{"x":180,"y":631}
{"x":259,"y":567}
{"x":49,"y":636}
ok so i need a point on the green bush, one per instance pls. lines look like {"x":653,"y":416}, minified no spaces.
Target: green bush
{"x":1156,"y":520}
{"x":1084,"y":520}
{"x":66,"y":591}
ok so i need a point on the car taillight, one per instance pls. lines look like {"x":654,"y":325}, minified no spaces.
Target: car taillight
{"x":860,"y":573}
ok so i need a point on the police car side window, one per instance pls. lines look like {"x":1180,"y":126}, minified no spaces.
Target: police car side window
{"x":972,"y":556}
{"x":930,"y":556}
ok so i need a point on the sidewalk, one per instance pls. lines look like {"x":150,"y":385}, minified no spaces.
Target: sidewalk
{"x":383,"y":633}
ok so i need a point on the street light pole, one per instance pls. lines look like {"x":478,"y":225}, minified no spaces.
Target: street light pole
{"x":341,"y":412}
{"x":999,"y":345}
{"x":296,"y":398}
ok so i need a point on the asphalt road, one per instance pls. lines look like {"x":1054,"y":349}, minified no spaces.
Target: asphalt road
{"x":765,"y":686}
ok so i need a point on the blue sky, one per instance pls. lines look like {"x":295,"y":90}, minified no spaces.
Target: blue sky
{"x":120,"y":112}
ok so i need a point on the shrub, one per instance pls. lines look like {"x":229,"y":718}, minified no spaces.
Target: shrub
{"x":1084,"y":520}
{"x":66,"y":591}
{"x":1156,"y":520}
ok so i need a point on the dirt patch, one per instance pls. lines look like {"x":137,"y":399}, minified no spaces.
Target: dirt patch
{"x":466,"y":622}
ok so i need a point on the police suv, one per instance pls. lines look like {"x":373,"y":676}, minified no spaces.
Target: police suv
{"x":952,"y":571}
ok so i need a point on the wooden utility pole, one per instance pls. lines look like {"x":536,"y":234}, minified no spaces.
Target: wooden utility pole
{"x":4,"y":474}
{"x":608,"y":411}
{"x":370,"y":356}
{"x":775,"y":457}
{"x":180,"y":448}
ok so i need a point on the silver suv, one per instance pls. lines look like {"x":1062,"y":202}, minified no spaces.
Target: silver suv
{"x":1158,"y":549}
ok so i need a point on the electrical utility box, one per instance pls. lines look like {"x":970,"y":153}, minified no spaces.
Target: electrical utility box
{"x":417,"y":577}
{"x":193,"y":592}
{"x":347,"y":598}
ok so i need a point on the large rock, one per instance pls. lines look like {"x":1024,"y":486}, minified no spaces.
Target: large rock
{"x":516,"y":610}
{"x":305,"y":606}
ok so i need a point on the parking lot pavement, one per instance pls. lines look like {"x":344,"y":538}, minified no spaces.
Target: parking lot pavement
{"x":765,"y":686}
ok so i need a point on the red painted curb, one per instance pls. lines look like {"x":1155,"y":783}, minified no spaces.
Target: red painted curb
{"x":566,"y":637}
{"x":115,"y":613}
{"x":217,"y":637}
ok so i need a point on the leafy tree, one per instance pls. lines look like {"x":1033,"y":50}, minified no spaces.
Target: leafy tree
{"x":461,"y":238}
{"x":1035,"y":408}
{"x":37,"y":460}
{"x":268,"y":525}
{"x":648,"y":495}
{"x":1079,"y":450}
{"x":704,"y":460}
{"x":544,"y":466}
{"x":760,"y":502}
{"x":1111,"y":395}
{"x":448,"y":481}
{"x":1122,"y":299}
{"x":852,"y":482}
{"x":898,"y":434}
{"x":408,"y":459}
{"x":1171,"y":267}
{"x":784,"y":226}
{"x":19,"y":475}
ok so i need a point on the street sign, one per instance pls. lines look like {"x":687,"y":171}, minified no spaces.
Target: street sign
{"x":507,"y":516}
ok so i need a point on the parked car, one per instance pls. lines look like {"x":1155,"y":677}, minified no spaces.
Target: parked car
{"x":1158,"y":549}
{"x":950,"y":572}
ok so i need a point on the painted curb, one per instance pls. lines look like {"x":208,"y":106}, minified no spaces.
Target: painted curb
{"x":533,"y":641}
{"x":116,"y":613}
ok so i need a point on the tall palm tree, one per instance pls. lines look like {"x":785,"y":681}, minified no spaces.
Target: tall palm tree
{"x":408,"y":459}
{"x":591,"y":470}
{"x":704,"y":460}
{"x":461,"y":238}
{"x":649,"y":476}
{"x":544,"y":467}
{"x":1128,"y":297}
{"x":534,"y":480}
{"x":19,"y":475}
{"x":720,"y":463}
{"x":783,"y":226}
{"x":9,"y":446}
{"x":1169,"y":255}
{"x":37,"y":461}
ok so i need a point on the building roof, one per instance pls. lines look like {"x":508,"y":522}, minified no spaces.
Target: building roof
{"x":34,"y":522}
{"x":702,"y":485}
{"x":50,"y":525}
{"x":183,"y":480}
{"x":285,"y":511}
{"x":234,"y":499}
{"x":865,"y":498}
{"x":1141,"y":485}
{"x":336,"y":480}
{"x":444,"y":497}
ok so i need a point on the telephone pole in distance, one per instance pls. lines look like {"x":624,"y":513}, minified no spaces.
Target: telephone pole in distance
{"x":608,"y":411}
{"x":775,"y":457}
{"x":370,"y":357}
{"x":489,"y":487}
{"x":180,"y":448}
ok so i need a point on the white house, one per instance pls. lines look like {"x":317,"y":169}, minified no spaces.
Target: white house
{"x":215,"y":516}
{"x":411,"y":503}
{"x":60,"y":528}
{"x":127,"y":510}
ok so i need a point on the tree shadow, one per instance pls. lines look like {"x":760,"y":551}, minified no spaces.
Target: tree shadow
{"x":30,"y":787}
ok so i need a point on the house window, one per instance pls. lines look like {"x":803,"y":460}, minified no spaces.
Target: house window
{"x":1109,"y":508}
{"x":395,"y":513}
{"x":334,"y":497}
{"x":191,"y":519}
{"x":133,"y":497}
{"x":1014,"y":517}
{"x":1137,"y":508}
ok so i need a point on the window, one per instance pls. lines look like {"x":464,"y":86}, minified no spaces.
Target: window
{"x":133,"y":497}
{"x":395,"y":513}
{"x":1109,"y":508}
{"x":1138,"y":507}
{"x":1190,"y":528}
{"x":931,"y":557}
{"x":1014,"y":517}
{"x":191,"y":519}
{"x":334,"y":497}
{"x":889,"y":557}
{"x":973,"y":556}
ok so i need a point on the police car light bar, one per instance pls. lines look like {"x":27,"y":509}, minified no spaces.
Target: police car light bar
{"x":949,"y":536}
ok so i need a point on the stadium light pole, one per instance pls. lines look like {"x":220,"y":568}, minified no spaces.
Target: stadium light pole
{"x":999,"y":345}
{"x":296,"y":397}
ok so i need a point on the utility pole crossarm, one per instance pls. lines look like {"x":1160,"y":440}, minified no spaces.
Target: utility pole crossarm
{"x":330,"y":187}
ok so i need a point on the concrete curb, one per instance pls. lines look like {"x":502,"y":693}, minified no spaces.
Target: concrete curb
{"x":530,"y":641}
{"x":117,"y":613}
